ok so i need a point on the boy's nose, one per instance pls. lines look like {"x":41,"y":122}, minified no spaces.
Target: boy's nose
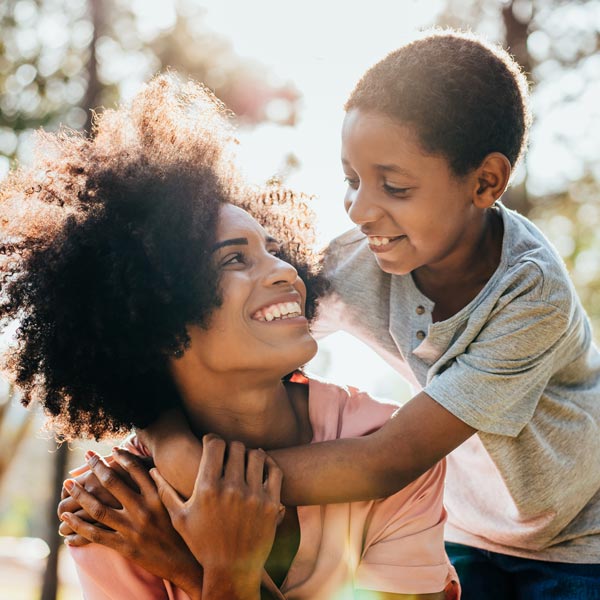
{"x":359,"y":208}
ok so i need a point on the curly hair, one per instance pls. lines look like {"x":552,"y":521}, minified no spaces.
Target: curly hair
{"x":464,"y":97}
{"x":106,"y":255}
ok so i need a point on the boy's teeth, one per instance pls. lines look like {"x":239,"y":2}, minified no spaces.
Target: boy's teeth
{"x":379,"y":241}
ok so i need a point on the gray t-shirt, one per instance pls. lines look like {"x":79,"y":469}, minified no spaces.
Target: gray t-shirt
{"x":519,"y":365}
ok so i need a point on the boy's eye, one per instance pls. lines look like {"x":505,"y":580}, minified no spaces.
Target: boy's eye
{"x":395,"y":191}
{"x":352,"y":183}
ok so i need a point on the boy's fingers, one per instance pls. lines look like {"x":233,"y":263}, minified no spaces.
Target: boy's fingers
{"x":137,"y":470}
{"x":64,"y":530}
{"x":111,"y":481}
{"x":96,"y":510}
{"x":168,"y":496}
{"x":75,"y":540}
{"x":67,"y":504}
{"x":89,"y":532}
{"x":211,"y":463}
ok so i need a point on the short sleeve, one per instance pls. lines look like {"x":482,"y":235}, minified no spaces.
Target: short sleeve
{"x":495,"y":384}
{"x":404,"y":541}
{"x":106,"y":575}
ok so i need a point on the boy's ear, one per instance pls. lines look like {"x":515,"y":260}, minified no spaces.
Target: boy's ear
{"x":491,"y":179}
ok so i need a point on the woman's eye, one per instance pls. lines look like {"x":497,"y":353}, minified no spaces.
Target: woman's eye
{"x":395,"y":191}
{"x":233,"y":259}
{"x":352,"y":183}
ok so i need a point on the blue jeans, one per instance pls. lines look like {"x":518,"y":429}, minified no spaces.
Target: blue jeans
{"x":491,"y":576}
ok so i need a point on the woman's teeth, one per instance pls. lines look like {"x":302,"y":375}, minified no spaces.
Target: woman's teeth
{"x":283,"y":310}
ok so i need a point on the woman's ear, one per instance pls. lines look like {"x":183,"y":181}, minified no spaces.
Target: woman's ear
{"x":491,"y":179}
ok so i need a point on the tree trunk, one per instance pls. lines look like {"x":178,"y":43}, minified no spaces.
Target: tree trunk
{"x":50,"y":584}
{"x":516,"y":41}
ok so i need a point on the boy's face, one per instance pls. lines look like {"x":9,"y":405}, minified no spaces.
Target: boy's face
{"x":414,"y":210}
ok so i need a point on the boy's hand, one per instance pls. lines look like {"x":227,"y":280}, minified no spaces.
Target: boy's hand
{"x":140,"y":528}
{"x":89,"y":482}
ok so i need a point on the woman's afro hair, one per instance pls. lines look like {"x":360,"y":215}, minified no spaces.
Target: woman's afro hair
{"x":105,"y":254}
{"x":463,"y":97}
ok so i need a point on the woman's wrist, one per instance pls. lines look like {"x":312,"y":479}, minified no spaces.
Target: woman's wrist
{"x":229,"y":584}
{"x":190,"y":581}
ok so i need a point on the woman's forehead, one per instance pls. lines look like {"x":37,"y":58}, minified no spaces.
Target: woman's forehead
{"x":234,"y":221}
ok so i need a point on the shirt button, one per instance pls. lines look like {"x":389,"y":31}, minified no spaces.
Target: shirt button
{"x":420,"y":335}
{"x":420,"y":310}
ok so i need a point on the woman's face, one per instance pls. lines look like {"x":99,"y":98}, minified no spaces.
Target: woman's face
{"x":260,"y":325}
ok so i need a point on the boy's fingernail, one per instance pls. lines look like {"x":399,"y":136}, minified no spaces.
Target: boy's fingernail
{"x":64,"y":516}
{"x":91,"y":456}
{"x":69,"y":484}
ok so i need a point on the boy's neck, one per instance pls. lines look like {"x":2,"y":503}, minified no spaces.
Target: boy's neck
{"x":452,"y":287}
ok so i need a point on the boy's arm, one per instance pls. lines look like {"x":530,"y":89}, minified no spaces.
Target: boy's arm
{"x":419,"y":434}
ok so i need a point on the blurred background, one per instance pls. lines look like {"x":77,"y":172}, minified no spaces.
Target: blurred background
{"x":285,"y":69}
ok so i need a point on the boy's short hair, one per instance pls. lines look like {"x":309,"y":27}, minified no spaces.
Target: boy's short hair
{"x":464,"y":97}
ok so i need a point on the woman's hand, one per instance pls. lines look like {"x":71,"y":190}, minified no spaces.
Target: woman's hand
{"x":229,"y":522}
{"x":140,"y":529}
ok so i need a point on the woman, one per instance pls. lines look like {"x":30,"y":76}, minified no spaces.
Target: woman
{"x":140,"y":287}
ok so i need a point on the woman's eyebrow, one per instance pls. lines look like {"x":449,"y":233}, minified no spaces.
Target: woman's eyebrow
{"x":241,"y":242}
{"x":231,"y":242}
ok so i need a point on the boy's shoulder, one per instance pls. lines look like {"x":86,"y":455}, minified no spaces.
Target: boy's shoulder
{"x":529,"y":259}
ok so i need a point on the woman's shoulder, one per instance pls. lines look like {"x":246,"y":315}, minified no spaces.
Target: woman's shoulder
{"x":340,"y":411}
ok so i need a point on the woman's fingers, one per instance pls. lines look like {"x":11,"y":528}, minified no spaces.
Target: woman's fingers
{"x":96,"y":510}
{"x":236,"y":464}
{"x":211,"y":463}
{"x":255,"y":469}
{"x":168,"y":496}
{"x":89,"y":532}
{"x":136,"y":469}
{"x":273,"y":481}
{"x":110,"y":480}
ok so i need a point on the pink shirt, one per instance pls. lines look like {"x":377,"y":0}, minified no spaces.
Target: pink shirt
{"x":392,"y":545}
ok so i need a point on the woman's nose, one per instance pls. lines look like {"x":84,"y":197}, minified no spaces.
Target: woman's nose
{"x":280,"y":271}
{"x":360,"y":208}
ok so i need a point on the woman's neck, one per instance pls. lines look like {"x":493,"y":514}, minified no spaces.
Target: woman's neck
{"x":265,"y":413}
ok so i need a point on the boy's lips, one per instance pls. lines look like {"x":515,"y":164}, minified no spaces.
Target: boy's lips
{"x":379,"y":243}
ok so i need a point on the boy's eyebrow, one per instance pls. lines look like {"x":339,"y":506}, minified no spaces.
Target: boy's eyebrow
{"x":241,"y":242}
{"x":394,"y":169}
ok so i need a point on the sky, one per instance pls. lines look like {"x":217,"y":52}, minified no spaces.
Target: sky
{"x":322,"y":48}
